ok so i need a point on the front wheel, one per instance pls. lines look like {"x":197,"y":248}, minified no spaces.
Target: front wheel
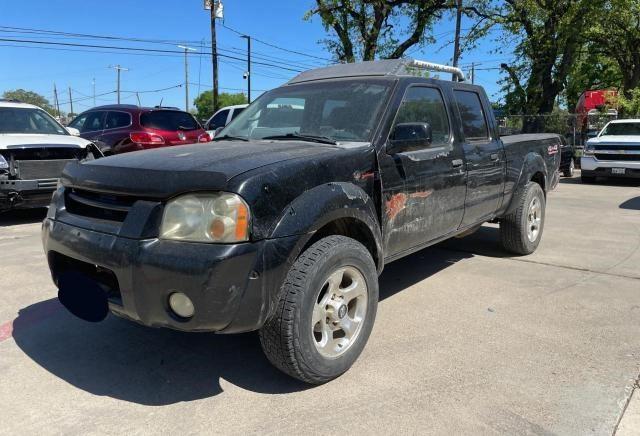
{"x":325,"y":313}
{"x":521,"y":230}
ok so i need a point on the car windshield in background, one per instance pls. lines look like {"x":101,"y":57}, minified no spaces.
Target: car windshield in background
{"x":168,"y":120}
{"x":344,"y":111}
{"x":28,"y":120}
{"x":622,"y":129}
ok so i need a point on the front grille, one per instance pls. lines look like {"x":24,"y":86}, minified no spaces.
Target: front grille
{"x":40,"y":169}
{"x":98,"y":205}
{"x":45,"y":152}
{"x":618,"y":157}
{"x":616,"y":147}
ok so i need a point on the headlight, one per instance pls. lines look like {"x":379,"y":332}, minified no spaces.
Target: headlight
{"x":209,"y":217}
{"x":588,"y":149}
{"x":4,"y":165}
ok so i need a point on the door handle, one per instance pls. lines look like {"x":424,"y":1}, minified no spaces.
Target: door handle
{"x":495,"y":156}
{"x":457,"y":163}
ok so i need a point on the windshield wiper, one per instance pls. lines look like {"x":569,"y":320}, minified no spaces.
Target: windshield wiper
{"x":186,"y":128}
{"x":310,"y":138}
{"x":230,"y":138}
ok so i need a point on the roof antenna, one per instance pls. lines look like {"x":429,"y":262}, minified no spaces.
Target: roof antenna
{"x":160,"y":105}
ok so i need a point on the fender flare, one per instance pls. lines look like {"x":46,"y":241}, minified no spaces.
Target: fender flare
{"x":322,"y":205}
{"x":532,"y":163}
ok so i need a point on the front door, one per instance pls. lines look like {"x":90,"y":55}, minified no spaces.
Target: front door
{"x":485,"y":159}
{"x":423,"y":189}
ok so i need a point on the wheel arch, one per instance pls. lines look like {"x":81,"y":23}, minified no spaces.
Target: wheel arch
{"x":332,"y":209}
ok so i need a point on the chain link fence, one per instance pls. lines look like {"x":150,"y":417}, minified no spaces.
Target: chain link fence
{"x":575,"y":128}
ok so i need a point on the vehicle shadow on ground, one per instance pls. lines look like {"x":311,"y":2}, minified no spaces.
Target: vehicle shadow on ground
{"x":123,"y":360}
{"x":26,"y":216}
{"x":631,"y":204}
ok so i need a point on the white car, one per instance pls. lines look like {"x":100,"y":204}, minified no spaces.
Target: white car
{"x":615,"y":152}
{"x":34,"y":148}
{"x":223,"y":117}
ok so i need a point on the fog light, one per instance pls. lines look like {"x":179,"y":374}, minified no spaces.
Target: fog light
{"x":181,"y":305}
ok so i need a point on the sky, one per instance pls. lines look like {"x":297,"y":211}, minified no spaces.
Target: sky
{"x":170,"y":23}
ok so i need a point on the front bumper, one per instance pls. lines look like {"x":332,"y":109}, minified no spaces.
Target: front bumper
{"x":231,"y":286}
{"x":26,"y":193}
{"x":592,"y":167}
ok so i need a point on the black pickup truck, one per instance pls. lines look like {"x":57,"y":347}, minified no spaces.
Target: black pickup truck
{"x":284,"y":223}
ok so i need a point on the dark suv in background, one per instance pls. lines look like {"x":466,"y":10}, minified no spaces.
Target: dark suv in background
{"x":123,"y":128}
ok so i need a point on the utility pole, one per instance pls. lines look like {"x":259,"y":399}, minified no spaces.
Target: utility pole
{"x":70,"y":101}
{"x":118,"y":68}
{"x":186,"y":75}
{"x":473,"y":73}
{"x":93,"y":82}
{"x":215,"y":8}
{"x":248,"y":73}
{"x":456,"y":44}
{"x":55,"y":97}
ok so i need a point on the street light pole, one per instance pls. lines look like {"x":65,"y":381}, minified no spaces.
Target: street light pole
{"x":456,"y":44}
{"x":186,"y":75}
{"x":248,"y":38}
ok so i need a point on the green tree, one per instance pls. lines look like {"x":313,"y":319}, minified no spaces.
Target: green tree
{"x":29,"y":97}
{"x":616,"y":34}
{"x":592,"y":70}
{"x":549,"y":35}
{"x":370,"y":29}
{"x":204,"y":102}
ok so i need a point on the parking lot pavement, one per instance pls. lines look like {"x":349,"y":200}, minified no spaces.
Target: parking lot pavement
{"x":467,"y":340}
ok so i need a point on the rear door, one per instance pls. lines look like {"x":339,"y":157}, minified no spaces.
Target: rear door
{"x":484,"y":156}
{"x":423,"y":189}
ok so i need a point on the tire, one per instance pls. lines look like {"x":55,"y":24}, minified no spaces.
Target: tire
{"x":521,"y":230}
{"x":296,"y":338}
{"x":569,"y":171}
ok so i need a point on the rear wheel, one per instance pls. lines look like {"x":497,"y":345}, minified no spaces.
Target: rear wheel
{"x":521,"y":230}
{"x":326,"y":311}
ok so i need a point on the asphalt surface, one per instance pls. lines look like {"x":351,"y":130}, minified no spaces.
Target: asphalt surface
{"x":467,"y":340}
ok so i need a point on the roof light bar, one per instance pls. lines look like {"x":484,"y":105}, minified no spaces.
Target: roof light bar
{"x":437,"y":67}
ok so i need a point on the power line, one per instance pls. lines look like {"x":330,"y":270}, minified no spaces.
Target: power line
{"x":138,"y":49}
{"x":276,"y":46}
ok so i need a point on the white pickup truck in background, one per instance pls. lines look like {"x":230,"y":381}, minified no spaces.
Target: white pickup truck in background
{"x":615,"y":152}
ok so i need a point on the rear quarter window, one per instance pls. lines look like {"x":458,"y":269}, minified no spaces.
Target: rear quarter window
{"x":168,"y":120}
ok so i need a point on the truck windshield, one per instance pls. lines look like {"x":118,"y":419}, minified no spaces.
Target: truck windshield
{"x":29,"y":120}
{"x":342,"y":110}
{"x":621,"y":129}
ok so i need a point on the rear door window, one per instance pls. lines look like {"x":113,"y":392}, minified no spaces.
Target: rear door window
{"x":474,"y":121}
{"x":219,"y":120}
{"x":168,"y":120}
{"x":236,"y":112}
{"x":116,"y":120}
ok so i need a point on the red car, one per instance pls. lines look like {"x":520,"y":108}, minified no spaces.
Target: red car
{"x":123,"y":128}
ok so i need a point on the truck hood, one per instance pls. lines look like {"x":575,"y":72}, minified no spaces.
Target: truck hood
{"x":164,"y":172}
{"x":615,"y":140}
{"x":11,"y":140}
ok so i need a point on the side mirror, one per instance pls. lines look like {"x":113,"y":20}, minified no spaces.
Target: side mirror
{"x":73,"y":131}
{"x":406,"y":136}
